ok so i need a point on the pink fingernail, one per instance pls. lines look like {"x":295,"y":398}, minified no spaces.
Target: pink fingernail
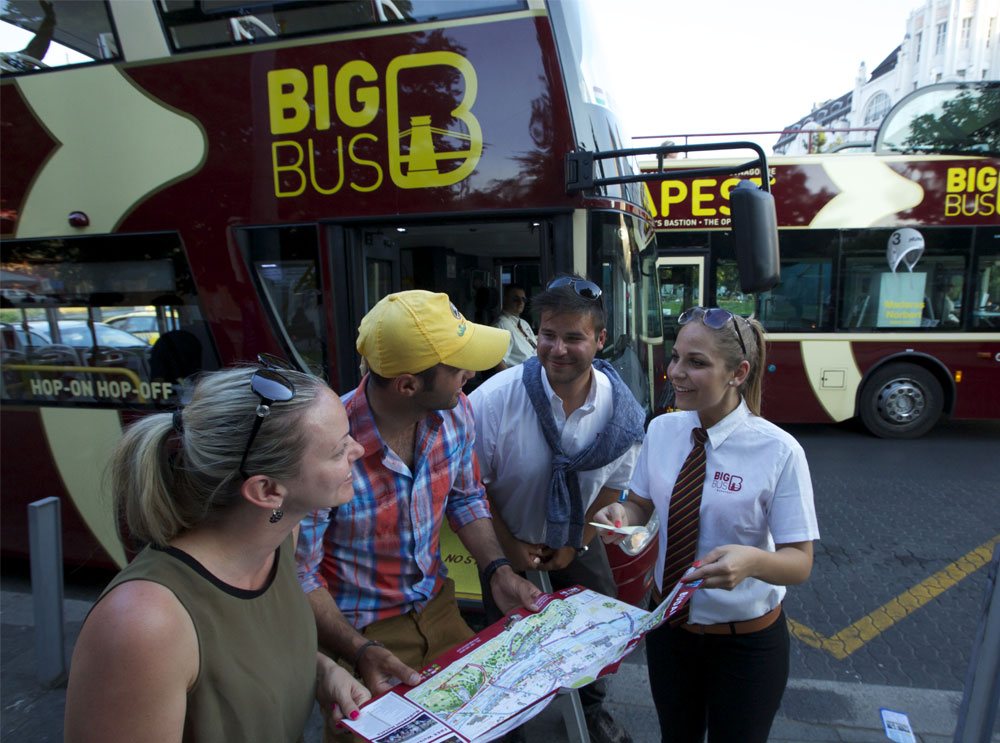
{"x":697,"y":564}
{"x":618,"y":523}
{"x":355,"y":714}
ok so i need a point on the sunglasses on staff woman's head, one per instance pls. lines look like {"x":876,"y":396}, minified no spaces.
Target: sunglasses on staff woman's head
{"x":271,"y":387}
{"x":715,"y":318}
{"x":586,"y":289}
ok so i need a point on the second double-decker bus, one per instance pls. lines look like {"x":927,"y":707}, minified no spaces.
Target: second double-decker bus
{"x":228,"y":177}
{"x":888,"y":306}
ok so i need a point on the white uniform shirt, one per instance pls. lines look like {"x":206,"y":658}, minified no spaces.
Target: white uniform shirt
{"x":522,"y":338}
{"x":757,"y":492}
{"x":516,"y":461}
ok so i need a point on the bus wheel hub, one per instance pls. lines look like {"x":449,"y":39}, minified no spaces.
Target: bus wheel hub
{"x":901,"y":401}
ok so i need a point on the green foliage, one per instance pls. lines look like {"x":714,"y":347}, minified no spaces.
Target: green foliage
{"x":969,"y":123}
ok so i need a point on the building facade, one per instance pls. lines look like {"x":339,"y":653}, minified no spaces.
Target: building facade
{"x":944,"y":41}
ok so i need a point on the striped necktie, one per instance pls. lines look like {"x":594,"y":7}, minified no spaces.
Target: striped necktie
{"x":682,"y":520}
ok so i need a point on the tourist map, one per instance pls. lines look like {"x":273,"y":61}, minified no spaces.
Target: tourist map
{"x":512,"y":670}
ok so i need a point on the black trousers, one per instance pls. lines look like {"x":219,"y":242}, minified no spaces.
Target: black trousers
{"x":731,"y":684}
{"x":590,"y":570}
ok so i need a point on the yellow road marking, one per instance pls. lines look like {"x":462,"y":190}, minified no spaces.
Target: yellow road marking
{"x":868,"y":627}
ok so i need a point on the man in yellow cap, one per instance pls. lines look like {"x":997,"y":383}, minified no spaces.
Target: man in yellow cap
{"x":372,"y":568}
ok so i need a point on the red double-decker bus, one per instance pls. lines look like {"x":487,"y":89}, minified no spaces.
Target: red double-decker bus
{"x":888,"y":306}
{"x":202,"y":180}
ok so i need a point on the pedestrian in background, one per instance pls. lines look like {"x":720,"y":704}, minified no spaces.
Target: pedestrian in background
{"x":206,"y":635}
{"x":736,"y":501}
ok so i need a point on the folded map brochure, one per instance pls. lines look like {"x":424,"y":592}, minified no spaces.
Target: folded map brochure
{"x":510,"y":671}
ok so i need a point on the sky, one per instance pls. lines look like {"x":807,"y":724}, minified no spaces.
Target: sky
{"x":738,"y":65}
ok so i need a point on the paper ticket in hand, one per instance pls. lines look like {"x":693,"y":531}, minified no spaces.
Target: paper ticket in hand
{"x":626,"y":530}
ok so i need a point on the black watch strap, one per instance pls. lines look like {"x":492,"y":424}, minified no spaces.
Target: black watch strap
{"x":493,"y":567}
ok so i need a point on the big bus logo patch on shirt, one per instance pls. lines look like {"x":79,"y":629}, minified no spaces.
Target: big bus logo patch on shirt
{"x":725,"y":481}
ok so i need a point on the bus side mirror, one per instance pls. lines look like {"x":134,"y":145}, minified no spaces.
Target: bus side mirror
{"x":755,"y":237}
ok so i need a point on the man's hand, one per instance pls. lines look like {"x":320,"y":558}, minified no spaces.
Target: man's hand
{"x":381,"y":670}
{"x":511,"y":591}
{"x":524,"y":555}
{"x":558,"y":559}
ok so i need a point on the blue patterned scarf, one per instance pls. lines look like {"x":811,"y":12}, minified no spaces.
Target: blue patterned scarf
{"x":564,"y":509}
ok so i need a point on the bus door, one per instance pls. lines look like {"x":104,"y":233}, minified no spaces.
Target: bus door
{"x":469,"y":260}
{"x":682,"y":286}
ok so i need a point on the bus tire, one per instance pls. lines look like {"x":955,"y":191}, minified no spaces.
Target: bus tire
{"x":901,"y":401}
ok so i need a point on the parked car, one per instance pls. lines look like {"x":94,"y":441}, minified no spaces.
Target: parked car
{"x":77,"y":333}
{"x":141,"y":323}
{"x":15,"y":338}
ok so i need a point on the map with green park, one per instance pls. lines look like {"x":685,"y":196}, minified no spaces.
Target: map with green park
{"x":564,"y":646}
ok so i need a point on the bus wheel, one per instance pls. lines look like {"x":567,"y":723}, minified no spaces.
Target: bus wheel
{"x":901,"y":401}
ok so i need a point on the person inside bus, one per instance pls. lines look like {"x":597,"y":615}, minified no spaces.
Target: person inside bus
{"x":372,"y":568}
{"x":522,"y":338}
{"x":557,"y":438}
{"x":735,"y":501}
{"x":206,"y":634}
{"x":950,"y":302}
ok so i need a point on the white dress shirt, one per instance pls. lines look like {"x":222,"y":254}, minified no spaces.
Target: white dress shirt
{"x":516,"y":461}
{"x":757,"y":492}
{"x":522,"y":338}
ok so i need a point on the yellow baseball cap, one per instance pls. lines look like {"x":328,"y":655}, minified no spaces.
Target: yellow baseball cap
{"x":408,"y":332}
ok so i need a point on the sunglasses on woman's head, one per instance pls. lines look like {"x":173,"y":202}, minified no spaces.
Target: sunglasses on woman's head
{"x":271,"y":387}
{"x":715,"y":318}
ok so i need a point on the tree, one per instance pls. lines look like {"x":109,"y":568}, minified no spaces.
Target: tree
{"x":968,"y":123}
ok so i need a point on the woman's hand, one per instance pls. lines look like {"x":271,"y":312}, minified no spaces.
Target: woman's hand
{"x":729,"y":565}
{"x":725,"y":567}
{"x":613,"y":515}
{"x":338,"y":691}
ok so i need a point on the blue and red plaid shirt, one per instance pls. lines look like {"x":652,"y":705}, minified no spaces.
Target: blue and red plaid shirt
{"x":379,"y":555}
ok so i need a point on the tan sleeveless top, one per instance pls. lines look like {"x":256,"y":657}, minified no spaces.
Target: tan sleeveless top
{"x":257,"y":649}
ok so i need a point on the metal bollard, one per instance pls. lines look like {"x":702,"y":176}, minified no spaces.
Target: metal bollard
{"x":978,"y":711}
{"x":45,"y":534}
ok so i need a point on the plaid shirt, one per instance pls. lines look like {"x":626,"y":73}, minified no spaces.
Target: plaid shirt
{"x":379,"y":555}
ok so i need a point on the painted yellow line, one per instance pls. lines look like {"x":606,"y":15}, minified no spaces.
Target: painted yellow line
{"x":868,"y":627}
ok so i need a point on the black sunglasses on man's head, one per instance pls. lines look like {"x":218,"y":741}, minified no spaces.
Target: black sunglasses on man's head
{"x":583,"y":287}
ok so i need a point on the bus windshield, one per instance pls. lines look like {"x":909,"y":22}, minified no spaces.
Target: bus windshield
{"x":949,"y":118}
{"x":39,"y":34}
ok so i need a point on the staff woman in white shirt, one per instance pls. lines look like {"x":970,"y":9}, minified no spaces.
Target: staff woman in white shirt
{"x":725,"y":667}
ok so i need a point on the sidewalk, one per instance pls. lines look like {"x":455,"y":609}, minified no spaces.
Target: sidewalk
{"x":812,"y":711}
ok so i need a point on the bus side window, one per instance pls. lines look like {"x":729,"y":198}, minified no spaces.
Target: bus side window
{"x":69,"y":332}
{"x":926,"y":295}
{"x":984,"y":293}
{"x":803,"y":300}
{"x":284,"y":262}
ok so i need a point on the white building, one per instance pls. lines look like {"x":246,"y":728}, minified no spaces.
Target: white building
{"x":945,"y":41}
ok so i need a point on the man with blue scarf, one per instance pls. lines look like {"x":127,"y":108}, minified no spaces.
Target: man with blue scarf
{"x":557,"y":438}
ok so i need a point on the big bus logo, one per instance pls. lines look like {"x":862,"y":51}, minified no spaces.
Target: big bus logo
{"x":426,"y":148}
{"x":971,"y":191}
